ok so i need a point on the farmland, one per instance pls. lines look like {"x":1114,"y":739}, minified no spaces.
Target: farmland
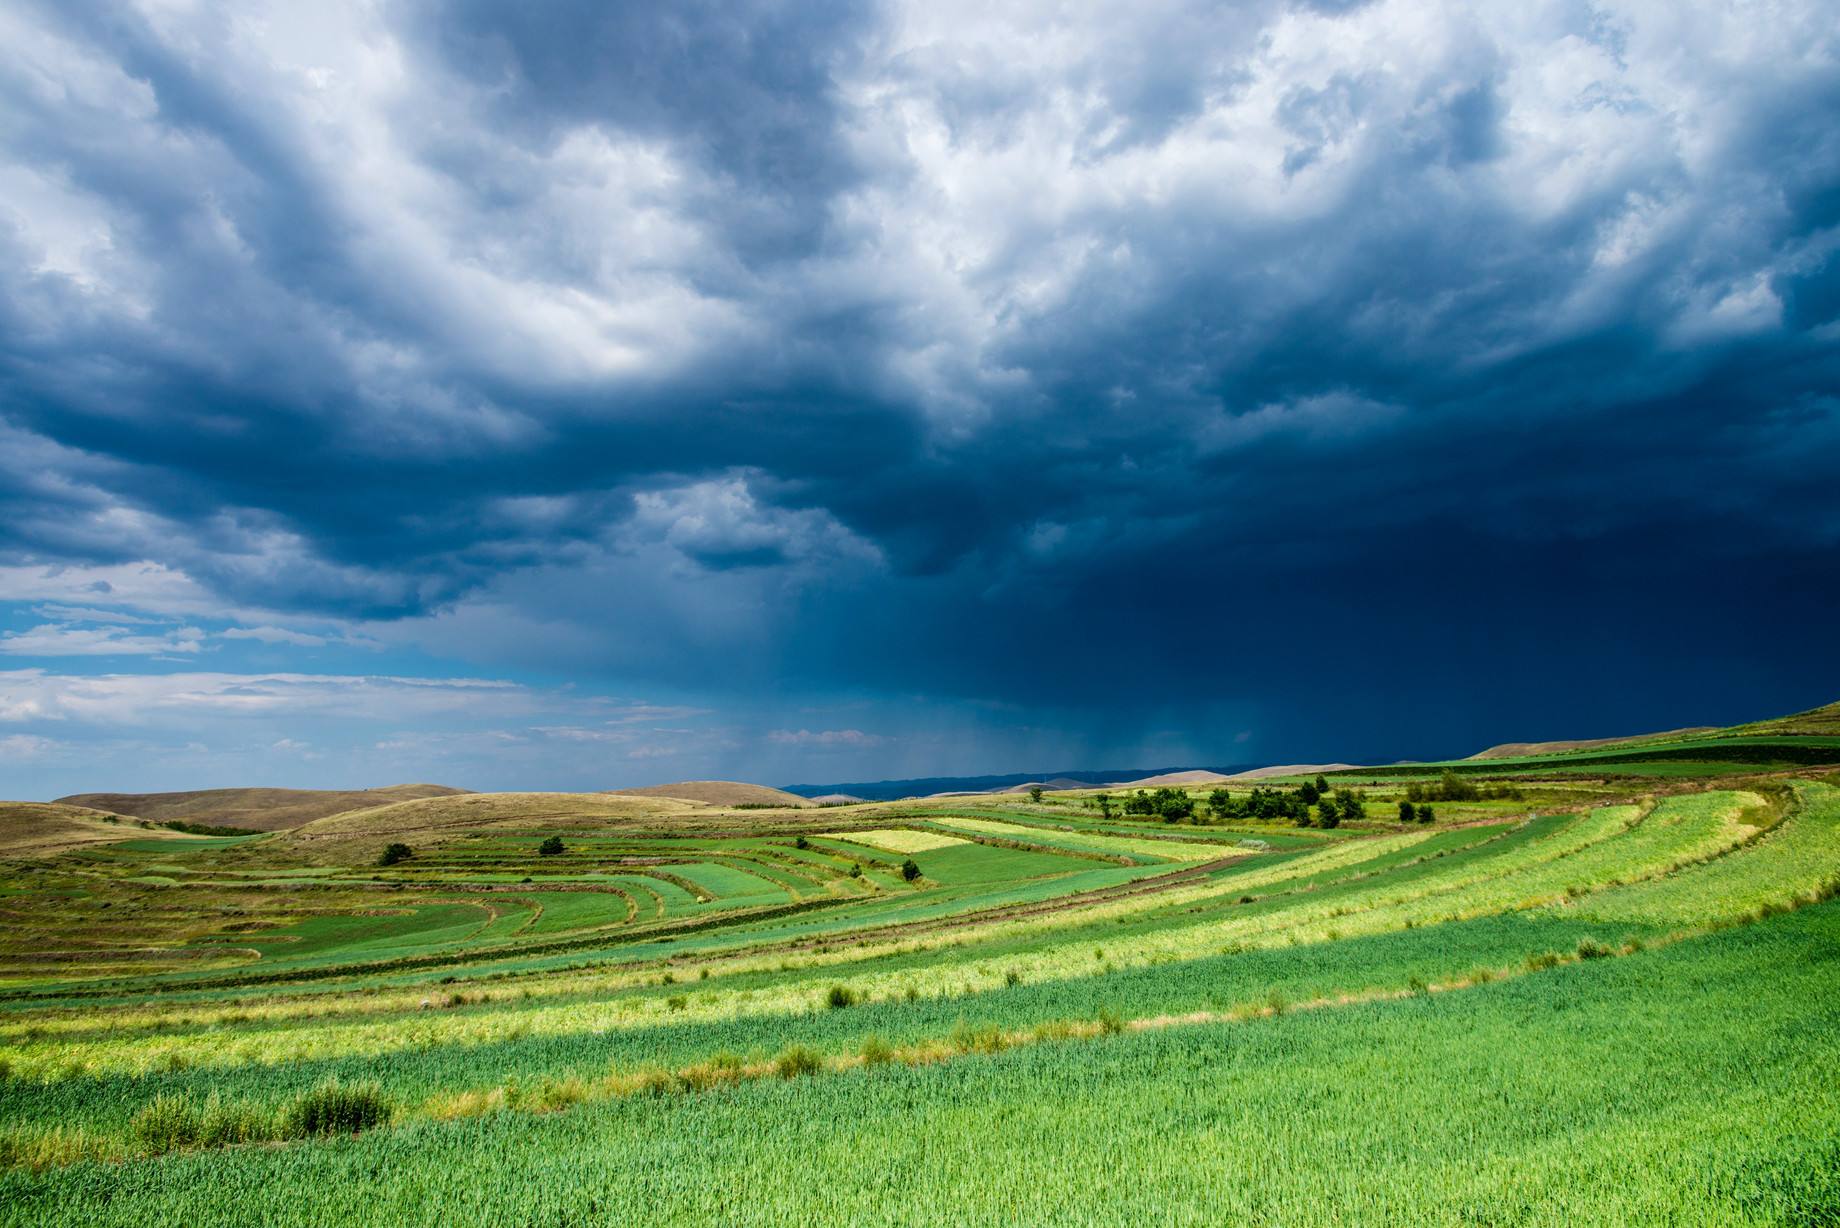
{"x":1591,"y":995}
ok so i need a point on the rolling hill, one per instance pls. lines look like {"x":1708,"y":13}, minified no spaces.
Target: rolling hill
{"x":45,"y":829}
{"x":718,"y":793}
{"x":254,"y":809}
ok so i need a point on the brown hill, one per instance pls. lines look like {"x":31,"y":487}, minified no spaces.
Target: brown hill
{"x":1816,"y":722}
{"x":1195,"y":777}
{"x":1517,"y":750}
{"x":44,"y":829}
{"x":717,"y":793}
{"x":1059,"y":784}
{"x":1289,"y":769}
{"x":256,"y":809}
{"x":359,"y":835}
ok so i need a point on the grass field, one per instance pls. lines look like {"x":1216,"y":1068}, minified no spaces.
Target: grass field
{"x":1613,"y":1000}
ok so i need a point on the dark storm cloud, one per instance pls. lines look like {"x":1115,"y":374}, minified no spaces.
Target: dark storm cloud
{"x":971,"y":352}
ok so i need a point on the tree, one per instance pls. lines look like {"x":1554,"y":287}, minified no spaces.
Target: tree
{"x":395,"y":853}
{"x":1034,"y":793}
{"x":1350,"y":804}
{"x":1328,"y":813}
{"x":1425,"y":813}
{"x":1453,"y":788}
{"x":1322,"y":784}
{"x":1105,"y":804}
{"x":1140,"y":802}
{"x":1172,"y":804}
{"x":1220,"y":804}
{"x":910,"y":869}
{"x":1309,"y":793}
{"x":1406,"y":812}
{"x":550,"y":847}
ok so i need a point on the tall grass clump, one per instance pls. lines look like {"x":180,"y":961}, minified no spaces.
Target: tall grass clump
{"x":166,"y":1123}
{"x":336,"y":1108}
{"x":978,"y":1038}
{"x":797,"y":1060}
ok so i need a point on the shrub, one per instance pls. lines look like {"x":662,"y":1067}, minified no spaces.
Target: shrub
{"x":717,"y":1071}
{"x":552,"y":1094}
{"x":166,"y":1123}
{"x":1109,"y":1021}
{"x":1542,"y":960}
{"x":910,"y":869}
{"x":797,"y":1060}
{"x":876,"y":1051}
{"x":658,"y":1083}
{"x":1591,"y":948}
{"x":395,"y":853}
{"x":336,"y":1108}
{"x":1425,"y":813}
{"x":856,"y":869}
{"x":550,"y":847}
{"x":801,"y":843}
{"x":839,"y":997}
{"x":979,"y":1038}
{"x":235,"y":1122}
{"x":1407,"y":812}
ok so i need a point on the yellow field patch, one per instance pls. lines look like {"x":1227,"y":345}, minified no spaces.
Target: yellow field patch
{"x":897,"y":839}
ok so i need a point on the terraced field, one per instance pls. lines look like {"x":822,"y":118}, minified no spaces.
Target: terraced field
{"x":1615,"y":1002}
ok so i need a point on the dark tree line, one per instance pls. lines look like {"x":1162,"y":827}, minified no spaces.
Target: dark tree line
{"x":1311,"y":804}
{"x":1166,"y":803}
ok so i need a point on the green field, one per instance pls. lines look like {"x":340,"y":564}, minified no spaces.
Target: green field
{"x":1602,"y":997}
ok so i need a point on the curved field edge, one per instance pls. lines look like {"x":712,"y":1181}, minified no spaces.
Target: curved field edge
{"x":1344,"y":902}
{"x":447,"y":1054}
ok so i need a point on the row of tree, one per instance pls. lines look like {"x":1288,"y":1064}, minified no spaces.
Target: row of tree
{"x":1311,"y":804}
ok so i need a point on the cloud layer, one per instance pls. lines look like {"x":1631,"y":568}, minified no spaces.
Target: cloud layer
{"x":1382,"y":378}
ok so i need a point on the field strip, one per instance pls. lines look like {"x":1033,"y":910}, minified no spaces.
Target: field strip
{"x":422,"y":1029}
{"x":186,"y":1127}
{"x":1051,"y":837}
{"x":1179,"y":887}
{"x":896,"y":839}
{"x":1330,"y":919}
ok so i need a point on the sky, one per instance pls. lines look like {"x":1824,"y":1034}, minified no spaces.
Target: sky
{"x":579,"y":395}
